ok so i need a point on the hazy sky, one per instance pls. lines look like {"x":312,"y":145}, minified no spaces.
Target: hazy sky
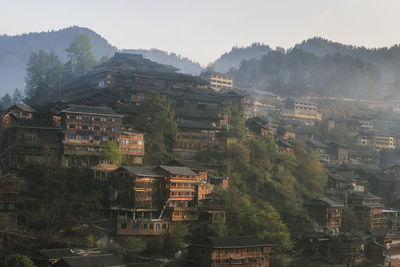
{"x":204,"y":29}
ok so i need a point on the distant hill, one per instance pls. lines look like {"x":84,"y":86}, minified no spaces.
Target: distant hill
{"x":387,"y":59}
{"x":15,"y":52}
{"x":233,"y":58}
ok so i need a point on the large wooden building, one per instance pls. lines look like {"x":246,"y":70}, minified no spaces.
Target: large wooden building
{"x":230,"y":251}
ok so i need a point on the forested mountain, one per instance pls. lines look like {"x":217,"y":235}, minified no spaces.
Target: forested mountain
{"x":299,"y":73}
{"x":237,"y":54}
{"x":15,"y":52}
{"x":386,"y":59}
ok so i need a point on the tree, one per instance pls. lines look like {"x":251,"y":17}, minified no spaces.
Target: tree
{"x":112,"y":154}
{"x":6,"y":102}
{"x":81,"y":55}
{"x":176,"y":237}
{"x":104,"y":59}
{"x":156,"y":118}
{"x":17,"y":96}
{"x":43,"y":77}
{"x":236,"y":123}
{"x":17,"y":260}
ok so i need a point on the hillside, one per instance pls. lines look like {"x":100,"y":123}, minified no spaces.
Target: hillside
{"x":387,"y":59}
{"x":15,"y":51}
{"x":233,"y":58}
{"x":299,"y":73}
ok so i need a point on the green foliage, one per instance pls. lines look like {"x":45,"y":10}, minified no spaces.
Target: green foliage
{"x":267,"y":191}
{"x":44,"y":72}
{"x":156,"y":118}
{"x":104,"y":59}
{"x":17,"y":260}
{"x":217,"y":228}
{"x":17,"y":96}
{"x":5,"y":102}
{"x":111,"y":154}
{"x":349,"y":220}
{"x":247,"y":217}
{"x":81,"y":55}
{"x":236,"y":123}
{"x":56,"y":201}
{"x":118,"y":251}
{"x":176,"y":237}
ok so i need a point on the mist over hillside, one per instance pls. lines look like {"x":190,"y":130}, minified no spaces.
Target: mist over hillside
{"x":387,"y":59}
{"x":233,"y":58}
{"x":15,"y":51}
{"x":299,"y":73}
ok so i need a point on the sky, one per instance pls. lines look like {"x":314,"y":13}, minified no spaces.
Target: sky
{"x":204,"y":29}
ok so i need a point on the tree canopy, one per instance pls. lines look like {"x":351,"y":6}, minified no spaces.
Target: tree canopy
{"x":44,"y":77}
{"x":81,"y":55}
{"x":156,"y":119}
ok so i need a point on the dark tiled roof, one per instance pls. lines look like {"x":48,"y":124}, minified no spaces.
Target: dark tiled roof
{"x":195,"y":125}
{"x":142,"y":171}
{"x":34,"y":124}
{"x":55,"y":253}
{"x":198,"y":114}
{"x":233,"y":242}
{"x":323,"y":201}
{"x":301,"y":100}
{"x":105,"y":260}
{"x":191,"y":164}
{"x":317,"y":144}
{"x":363,"y":195}
{"x":90,"y":110}
{"x":176,"y":170}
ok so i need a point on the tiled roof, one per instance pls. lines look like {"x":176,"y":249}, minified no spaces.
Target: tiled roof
{"x":55,"y":253}
{"x":363,"y":195}
{"x":25,"y":107}
{"x":301,"y":100}
{"x":195,"y":125}
{"x":105,"y":260}
{"x":323,"y":201}
{"x":142,"y":171}
{"x":208,"y":114}
{"x":96,"y":110}
{"x":234,"y":242}
{"x":176,"y":170}
{"x":34,"y":124}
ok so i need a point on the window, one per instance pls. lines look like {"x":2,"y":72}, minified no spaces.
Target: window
{"x":1,"y":206}
{"x":84,"y":137}
{"x":71,"y":136}
{"x":164,"y":226}
{"x":136,"y":226}
{"x":145,"y":226}
{"x":123,"y":226}
{"x":85,"y":118}
{"x":151,"y":226}
{"x":85,"y":127}
{"x":71,"y":126}
{"x":11,"y":206}
{"x":30,"y":138}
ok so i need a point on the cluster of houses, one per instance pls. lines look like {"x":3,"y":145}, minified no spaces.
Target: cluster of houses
{"x":146,"y":201}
